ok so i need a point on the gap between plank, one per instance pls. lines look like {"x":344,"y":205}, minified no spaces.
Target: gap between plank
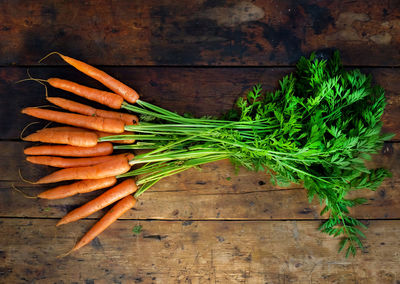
{"x":196,"y":66}
{"x":203,"y":220}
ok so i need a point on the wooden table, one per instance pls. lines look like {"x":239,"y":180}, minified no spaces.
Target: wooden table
{"x":208,"y":226}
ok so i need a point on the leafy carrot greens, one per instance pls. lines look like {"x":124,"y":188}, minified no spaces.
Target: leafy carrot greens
{"x":317,"y":129}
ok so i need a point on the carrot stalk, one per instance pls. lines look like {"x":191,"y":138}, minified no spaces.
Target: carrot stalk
{"x":116,"y":166}
{"x":113,"y":84}
{"x":60,"y":162}
{"x":101,"y":149}
{"x":107,"y":198}
{"x":95,"y":123}
{"x":110,"y":217}
{"x":74,"y":137}
{"x":128,"y":119}
{"x":83,"y":186}
{"x":106,"y":98}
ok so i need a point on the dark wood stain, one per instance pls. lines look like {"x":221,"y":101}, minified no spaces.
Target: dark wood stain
{"x":236,"y":230}
{"x":156,"y":237}
{"x":96,"y":244}
{"x":196,"y":33}
{"x":187,"y":223}
{"x":320,"y":16}
{"x":49,"y":12}
{"x":306,"y":211}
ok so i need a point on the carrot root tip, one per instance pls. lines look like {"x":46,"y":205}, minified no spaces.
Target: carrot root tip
{"x":23,"y":179}
{"x":66,"y":254}
{"x":50,"y":54}
{"x":25,"y":128}
{"x":23,"y":193}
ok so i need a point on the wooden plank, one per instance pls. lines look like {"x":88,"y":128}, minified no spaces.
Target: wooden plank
{"x":196,"y":252}
{"x":200,"y":91}
{"x":150,"y":32}
{"x":215,"y":192}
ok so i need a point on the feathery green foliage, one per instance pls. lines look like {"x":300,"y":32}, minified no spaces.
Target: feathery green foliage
{"x":317,"y":129}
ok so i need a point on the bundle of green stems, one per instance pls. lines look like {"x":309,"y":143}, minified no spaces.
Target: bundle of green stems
{"x":316,"y":129}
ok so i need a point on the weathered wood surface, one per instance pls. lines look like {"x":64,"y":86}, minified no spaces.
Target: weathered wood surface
{"x":200,"y":32}
{"x":194,"y":252}
{"x":200,"y":91}
{"x":215,"y":192}
{"x":193,"y":198}
{"x":208,"y":226}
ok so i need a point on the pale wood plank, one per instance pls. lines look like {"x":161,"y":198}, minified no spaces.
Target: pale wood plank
{"x":196,"y":252}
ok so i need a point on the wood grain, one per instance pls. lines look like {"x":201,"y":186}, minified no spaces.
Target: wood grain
{"x":234,"y":33}
{"x":200,"y":91}
{"x":208,"y":226}
{"x":213,"y":193}
{"x":194,"y":252}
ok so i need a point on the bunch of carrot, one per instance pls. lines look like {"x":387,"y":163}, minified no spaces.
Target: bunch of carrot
{"x":77,"y":150}
{"x":275,"y":132}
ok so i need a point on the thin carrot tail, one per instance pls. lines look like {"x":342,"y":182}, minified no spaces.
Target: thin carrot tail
{"x":31,"y":79}
{"x":23,"y":179}
{"x":23,"y":193}
{"x":48,"y":55}
{"x":66,"y":254}
{"x":40,"y":81}
{"x":25,"y":128}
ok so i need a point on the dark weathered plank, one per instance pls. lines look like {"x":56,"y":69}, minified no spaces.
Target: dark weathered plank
{"x":200,"y":91}
{"x":215,"y":192}
{"x":195,"y":252}
{"x":200,"y":32}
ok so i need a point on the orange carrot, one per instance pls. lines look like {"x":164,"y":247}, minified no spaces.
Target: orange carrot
{"x":96,"y":123}
{"x":128,"y":119}
{"x":71,"y":136}
{"x":107,"y":198}
{"x":106,"y":98}
{"x":60,"y":162}
{"x":113,"y":167}
{"x":113,"y":84}
{"x":101,"y":149}
{"x":82,"y":186}
{"x":110,"y":217}
{"x":68,"y":128}
{"x":127,"y":141}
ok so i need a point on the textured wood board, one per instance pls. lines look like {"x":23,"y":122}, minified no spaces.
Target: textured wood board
{"x":194,"y":252}
{"x":208,"y":226}
{"x":234,"y":33}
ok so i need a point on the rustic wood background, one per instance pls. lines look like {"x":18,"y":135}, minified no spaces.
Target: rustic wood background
{"x":208,"y":226}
